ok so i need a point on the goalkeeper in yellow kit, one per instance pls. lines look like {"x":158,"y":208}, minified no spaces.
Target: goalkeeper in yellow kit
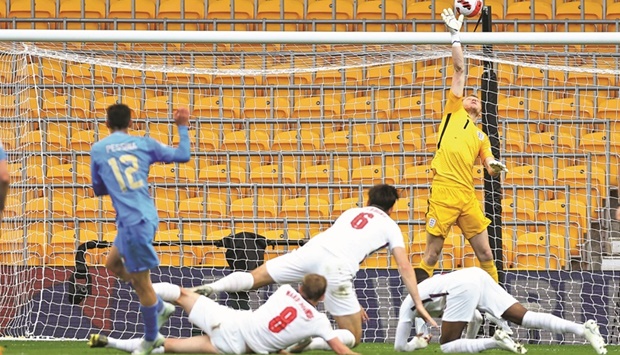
{"x":452,"y":195}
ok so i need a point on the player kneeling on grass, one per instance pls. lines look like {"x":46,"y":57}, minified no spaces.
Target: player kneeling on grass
{"x":461,"y":292}
{"x":286,"y":318}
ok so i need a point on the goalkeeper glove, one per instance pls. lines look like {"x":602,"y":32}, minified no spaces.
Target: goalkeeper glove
{"x":497,"y":166}
{"x":453,"y":24}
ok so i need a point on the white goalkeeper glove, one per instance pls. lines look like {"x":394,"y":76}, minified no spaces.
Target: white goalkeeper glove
{"x":497,"y":166}
{"x":454,"y":25}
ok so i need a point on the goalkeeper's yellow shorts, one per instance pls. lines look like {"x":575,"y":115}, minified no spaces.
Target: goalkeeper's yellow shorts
{"x":449,"y":206}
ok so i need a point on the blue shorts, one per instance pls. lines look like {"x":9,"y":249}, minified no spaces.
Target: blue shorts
{"x":135,"y":244}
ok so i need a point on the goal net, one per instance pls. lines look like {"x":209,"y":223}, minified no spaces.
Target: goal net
{"x":284,"y":138}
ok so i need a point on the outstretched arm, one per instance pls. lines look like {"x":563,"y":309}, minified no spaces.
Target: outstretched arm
{"x":339,"y":348}
{"x":454,"y":26}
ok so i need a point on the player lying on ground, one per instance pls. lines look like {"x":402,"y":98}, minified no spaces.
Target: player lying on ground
{"x":461,"y":292}
{"x":286,"y":318}
{"x":336,"y":254}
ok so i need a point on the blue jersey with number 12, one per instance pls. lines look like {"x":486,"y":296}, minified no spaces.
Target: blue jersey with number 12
{"x":120,"y":166}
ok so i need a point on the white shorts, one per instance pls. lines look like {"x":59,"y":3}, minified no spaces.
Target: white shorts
{"x":340,"y":297}
{"x":221,"y":324}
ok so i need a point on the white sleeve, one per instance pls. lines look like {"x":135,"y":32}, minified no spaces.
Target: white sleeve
{"x":395,"y":236}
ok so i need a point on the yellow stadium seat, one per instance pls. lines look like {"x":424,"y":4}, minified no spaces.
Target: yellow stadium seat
{"x":162,"y":106}
{"x":521,"y":211}
{"x":102,"y":103}
{"x":574,"y":11}
{"x":324,"y":174}
{"x":305,"y":208}
{"x":530,"y":175}
{"x":534,"y":77}
{"x":42,"y":9}
{"x":171,"y":9}
{"x":266,"y":108}
{"x":544,"y":145}
{"x":417,"y":175}
{"x":43,"y":207}
{"x":414,"y":107}
{"x":122,"y":9}
{"x":438,"y":75}
{"x":175,"y":255}
{"x":360,"y":110}
{"x":240,"y":145}
{"x":222,"y":10}
{"x":63,"y":246}
{"x":281,"y":76}
{"x":273,"y":10}
{"x":576,"y":177}
{"x":612,"y":13}
{"x":216,"y":107}
{"x":565,"y":109}
{"x":13,"y":206}
{"x":227,"y":175}
{"x":426,"y":10}
{"x":397,"y":142}
{"x":610,"y":110}
{"x":68,"y":174}
{"x":213,"y":256}
{"x":273,"y":174}
{"x":345,"y":204}
{"x":540,"y":251}
{"x":82,"y":140}
{"x":523,"y":11}
{"x":296,"y":141}
{"x":596,"y":144}
{"x":383,"y":76}
{"x":329,"y":10}
{"x":253,"y":208}
{"x":513,"y":142}
{"x":343,"y":141}
{"x":350,"y":77}
{"x":407,"y":210}
{"x":379,"y":10}
{"x":518,"y":107}
{"x":202,"y":208}
{"x":375,"y":174}
{"x":317,"y":107}
{"x":77,"y":9}
{"x":12,"y":248}
{"x":555,"y":212}
{"x":25,"y":173}
{"x":239,"y":75}
{"x":170,"y":178}
{"x":89,"y":209}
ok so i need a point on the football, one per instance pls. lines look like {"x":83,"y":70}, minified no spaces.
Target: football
{"x":469,"y":8}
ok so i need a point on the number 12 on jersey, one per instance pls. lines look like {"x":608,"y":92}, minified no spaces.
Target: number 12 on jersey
{"x":130,"y":164}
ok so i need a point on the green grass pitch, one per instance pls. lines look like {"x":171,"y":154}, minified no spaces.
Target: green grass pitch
{"x":80,"y":348}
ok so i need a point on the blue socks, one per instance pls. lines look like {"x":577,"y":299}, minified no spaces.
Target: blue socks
{"x":149,"y":313}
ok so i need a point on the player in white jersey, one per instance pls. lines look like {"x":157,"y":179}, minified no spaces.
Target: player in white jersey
{"x":336,"y":254}
{"x":287,"y":317}
{"x":456,"y":296}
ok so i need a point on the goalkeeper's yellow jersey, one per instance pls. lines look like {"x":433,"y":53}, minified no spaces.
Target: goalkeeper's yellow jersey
{"x":460,"y":143}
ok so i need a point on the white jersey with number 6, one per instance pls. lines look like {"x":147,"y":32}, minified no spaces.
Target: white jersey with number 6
{"x":357,"y":233}
{"x":285,"y":319}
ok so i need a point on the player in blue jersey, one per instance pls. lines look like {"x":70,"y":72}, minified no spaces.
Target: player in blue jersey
{"x":119,"y":166}
{"x":4,"y":179}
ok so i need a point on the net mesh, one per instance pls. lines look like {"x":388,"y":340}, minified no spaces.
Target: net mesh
{"x":284,"y":138}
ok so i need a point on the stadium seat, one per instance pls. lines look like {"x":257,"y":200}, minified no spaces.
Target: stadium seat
{"x":101,"y":104}
{"x":521,"y":108}
{"x":282,"y":76}
{"x":396,"y":74}
{"x":266,"y":111}
{"x":504,"y":72}
{"x":299,"y":141}
{"x":513,"y":142}
{"x":197,"y":208}
{"x":375,"y":174}
{"x":273,"y":175}
{"x":221,"y":181}
{"x":350,"y":77}
{"x":426,"y":10}
{"x":166,"y":210}
{"x":280,"y":235}
{"x":63,"y":246}
{"x":596,"y":144}
{"x":79,"y":10}
{"x":344,"y":141}
{"x":317,"y":107}
{"x":82,"y":140}
{"x":535,"y":177}
{"x":241,"y":147}
{"x":610,"y":110}
{"x":43,"y":207}
{"x":565,"y":109}
{"x":42,"y":9}
{"x":379,"y":10}
{"x":217,"y":108}
{"x":364,"y":112}
{"x":612,"y":13}
{"x":438,"y":75}
{"x":583,"y":180}
{"x":414,"y":107}
{"x":545,"y":145}
{"x":131,"y":78}
{"x":162,"y":106}
{"x":222,"y":10}
{"x":556,"y":212}
{"x":305,"y":208}
{"x":12,"y":250}
{"x":175,"y":254}
{"x":63,"y":106}
{"x":89,"y":210}
{"x":253,"y":208}
{"x":329,"y":10}
{"x":523,"y":11}
{"x":535,"y":77}
{"x":314,"y":176}
{"x":171,"y":9}
{"x":520,"y":211}
{"x":68,"y":175}
{"x":573,"y":12}
{"x":125,"y":9}
{"x":169,"y":180}
{"x":396,"y":146}
{"x":213,"y":256}
{"x":540,"y":251}
{"x":344,"y":204}
{"x":413,"y":177}
{"x":410,"y":210}
{"x":241,"y":77}
{"x":273,"y":10}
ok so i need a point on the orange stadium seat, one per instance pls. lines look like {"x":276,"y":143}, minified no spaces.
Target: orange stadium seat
{"x":78,"y":10}
{"x":42,"y":207}
{"x":534,"y":77}
{"x":282,"y":235}
{"x":68,"y":174}
{"x":266,"y":108}
{"x":375,"y":174}
{"x":305,"y":208}
{"x":273,"y":174}
{"x":317,"y":107}
{"x":519,"y":211}
{"x":523,"y":11}
{"x":201,"y":140}
{"x":12,"y":248}
{"x":240,"y":147}
{"x":42,"y":9}
{"x":283,"y":77}
{"x":520,"y":108}
{"x":170,"y":178}
{"x":273,"y":10}
{"x":513,"y":142}
{"x":63,"y":246}
{"x":91,"y":208}
{"x":203,"y":208}
{"x":596,"y":144}
{"x":535,"y":176}
{"x":539,"y":251}
{"x":612,"y":13}
{"x":171,"y":9}
{"x":226,"y":175}
{"x":573,"y":12}
{"x":222,"y":10}
{"x":321,"y":175}
{"x":343,"y":141}
{"x":176,"y":255}
{"x":566,"y":109}
{"x":408,"y":210}
{"x":555,"y":212}
{"x":426,"y":10}
{"x":576,"y":177}
{"x":414,"y":107}
{"x":101,"y":104}
{"x":415,"y":176}
{"x":546,"y":144}
{"x":610,"y":110}
{"x":379,"y":10}
{"x":296,"y":141}
{"x":329,"y":10}
{"x":435,"y":76}
{"x":350,"y":77}
{"x":344,"y":204}
{"x":218,"y":108}
{"x":239,"y":75}
{"x":360,"y":110}
{"x":399,"y":143}
{"x":254,"y":208}
{"x":125,"y":9}
{"x":162,"y":106}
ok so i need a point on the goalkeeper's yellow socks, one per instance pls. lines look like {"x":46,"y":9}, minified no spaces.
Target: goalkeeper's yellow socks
{"x":490,"y":268}
{"x":424,"y":271}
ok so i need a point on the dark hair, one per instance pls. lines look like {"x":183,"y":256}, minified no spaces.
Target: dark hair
{"x":382,"y":196}
{"x":119,"y":116}
{"x":313,"y":287}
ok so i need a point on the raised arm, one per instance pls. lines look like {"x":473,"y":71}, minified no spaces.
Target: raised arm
{"x":454,"y":26}
{"x":408,"y":275}
{"x":180,"y":154}
{"x":98,"y":186}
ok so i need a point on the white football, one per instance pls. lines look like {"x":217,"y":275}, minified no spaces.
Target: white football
{"x":469,"y":8}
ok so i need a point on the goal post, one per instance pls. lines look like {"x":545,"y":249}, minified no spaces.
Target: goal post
{"x":287,"y":131}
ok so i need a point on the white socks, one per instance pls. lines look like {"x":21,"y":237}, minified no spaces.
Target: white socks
{"x":167,"y":291}
{"x":130,"y":345}
{"x":235,"y":282}
{"x":551,"y":323}
{"x":402,"y":334}
{"x":471,"y":346}
{"x":344,"y":335}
